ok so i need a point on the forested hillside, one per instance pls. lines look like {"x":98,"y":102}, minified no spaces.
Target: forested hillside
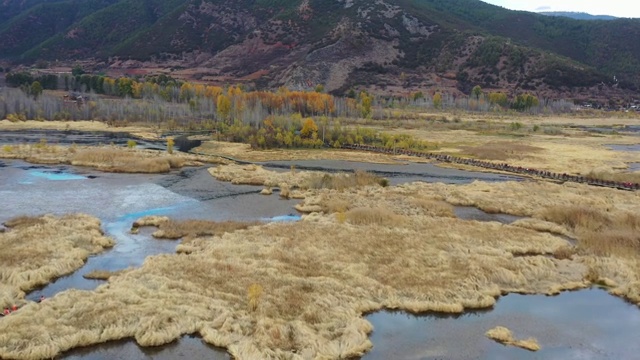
{"x":338,"y":43}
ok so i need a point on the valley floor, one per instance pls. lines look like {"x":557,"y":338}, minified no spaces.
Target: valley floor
{"x":299,"y":290}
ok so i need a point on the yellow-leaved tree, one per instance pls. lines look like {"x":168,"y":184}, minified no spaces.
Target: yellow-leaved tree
{"x":309,"y":129}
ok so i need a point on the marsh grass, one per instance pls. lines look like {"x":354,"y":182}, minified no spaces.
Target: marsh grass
{"x":503,"y":335}
{"x":116,"y":160}
{"x":599,"y":232}
{"x":104,"y":158}
{"x":374,"y":216}
{"x":102,"y":274}
{"x":434,"y":207}
{"x":174,"y":229}
{"x":501,"y":150}
{"x":344,"y":181}
{"x":37,"y":250}
{"x":319,"y":275}
{"x":24,"y":221}
{"x":314,"y":180}
{"x":633,"y":177}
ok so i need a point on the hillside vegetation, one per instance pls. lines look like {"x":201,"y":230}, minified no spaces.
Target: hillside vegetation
{"x":341,"y":44}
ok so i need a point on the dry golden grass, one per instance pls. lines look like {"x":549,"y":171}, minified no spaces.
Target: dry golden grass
{"x":246,"y":153}
{"x":105,"y":158}
{"x":434,"y":207}
{"x":503,"y":335}
{"x":599,"y":232}
{"x":37,"y":250}
{"x":174,"y":229}
{"x":633,"y":177}
{"x":343,"y":181}
{"x":373,"y":216}
{"x":501,"y":150}
{"x":140,"y":131}
{"x":117,"y":160}
{"x":574,"y":152}
{"x":102,"y":274}
{"x":318,"y":276}
{"x":257,"y":175}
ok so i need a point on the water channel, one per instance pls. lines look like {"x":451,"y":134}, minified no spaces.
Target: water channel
{"x":586,"y":324}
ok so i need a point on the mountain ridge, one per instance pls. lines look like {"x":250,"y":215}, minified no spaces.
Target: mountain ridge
{"x":389,"y":45}
{"x":578,"y":15}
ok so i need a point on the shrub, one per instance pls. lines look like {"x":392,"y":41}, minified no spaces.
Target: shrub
{"x":170,"y":143}
{"x":17,"y":117}
{"x":131,"y":144}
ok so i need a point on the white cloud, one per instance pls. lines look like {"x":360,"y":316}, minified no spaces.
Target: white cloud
{"x":620,"y":8}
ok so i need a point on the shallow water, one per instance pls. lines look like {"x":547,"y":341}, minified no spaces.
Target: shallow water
{"x":473,"y":213}
{"x":634,"y":166}
{"x":188,"y":347}
{"x":587,"y":324}
{"x":76,"y":137}
{"x":633,"y":147}
{"x":119,"y":199}
{"x":396,"y":173}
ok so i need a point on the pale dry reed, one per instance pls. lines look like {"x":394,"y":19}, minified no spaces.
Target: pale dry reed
{"x":318,"y":276}
{"x":503,"y":335}
{"x":37,"y":250}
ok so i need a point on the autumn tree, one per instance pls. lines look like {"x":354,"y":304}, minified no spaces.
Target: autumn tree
{"x":223,"y":107}
{"x":525,"y":102}
{"x":437,"y":101}
{"x":365,"y":104}
{"x":309,"y":129}
{"x":35,"y":89}
{"x":498,"y":98}
{"x":476,"y":92}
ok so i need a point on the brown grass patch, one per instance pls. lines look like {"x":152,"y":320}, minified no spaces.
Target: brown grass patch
{"x":503,"y":335}
{"x":633,"y":177}
{"x":174,"y":229}
{"x":373,"y":216}
{"x":434,"y":207}
{"x":344,"y":181}
{"x":105,"y":158}
{"x":40,"y":249}
{"x":103,"y":274}
{"x":501,"y":150}
{"x":598,"y":232}
{"x":318,"y":276}
{"x":257,"y":175}
{"x":116,"y":160}
{"x":24,"y":221}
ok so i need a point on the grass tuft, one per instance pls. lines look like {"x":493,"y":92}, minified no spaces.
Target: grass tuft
{"x":503,"y":335}
{"x":374,"y":216}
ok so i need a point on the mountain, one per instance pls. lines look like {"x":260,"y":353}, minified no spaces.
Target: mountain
{"x":578,"y":15}
{"x":384,"y":45}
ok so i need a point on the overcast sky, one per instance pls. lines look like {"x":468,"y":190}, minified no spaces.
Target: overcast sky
{"x":620,"y":8}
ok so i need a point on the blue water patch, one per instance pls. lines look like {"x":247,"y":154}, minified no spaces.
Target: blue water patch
{"x":55,"y":175}
{"x":283,"y":218}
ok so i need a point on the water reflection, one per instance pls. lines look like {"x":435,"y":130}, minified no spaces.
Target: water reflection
{"x":396,"y":173}
{"x":188,"y":347}
{"x":473,"y":213}
{"x":633,"y":147}
{"x":588,"y":324}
